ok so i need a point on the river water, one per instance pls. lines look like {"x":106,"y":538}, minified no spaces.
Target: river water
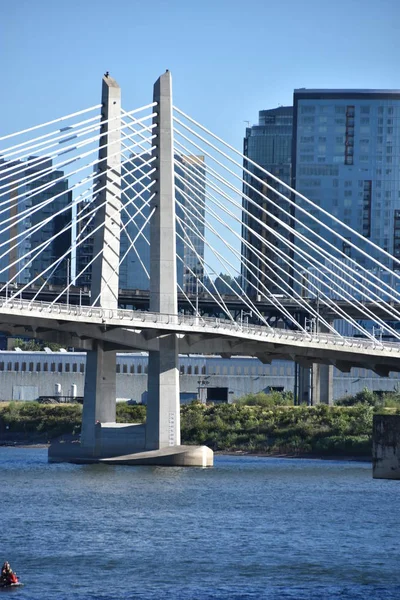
{"x":249,"y":528}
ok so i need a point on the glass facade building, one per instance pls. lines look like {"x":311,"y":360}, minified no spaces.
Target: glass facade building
{"x":269,"y":144}
{"x":23,"y":257}
{"x":346,"y":159}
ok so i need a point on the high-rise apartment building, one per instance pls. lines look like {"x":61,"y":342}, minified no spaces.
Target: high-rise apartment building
{"x":269,"y":144}
{"x":346,"y":159}
{"x":30,"y":246}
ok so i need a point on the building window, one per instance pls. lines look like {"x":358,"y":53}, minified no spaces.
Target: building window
{"x":9,"y":366}
{"x":16,"y":366}
{"x":74,"y":368}
{"x":125,"y":368}
{"x":31,"y":367}
{"x":45,"y":366}
{"x":67,"y":367}
{"x":139,"y":369}
{"x":196,"y":370}
{"x":132,"y":369}
{"x":118,"y":368}
{"x":82,"y":368}
{"x":60,"y":367}
{"x":1,"y":366}
{"x":53,"y":367}
{"x":23,"y":366}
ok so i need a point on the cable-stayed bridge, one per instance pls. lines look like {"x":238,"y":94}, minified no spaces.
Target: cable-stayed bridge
{"x":83,"y":194}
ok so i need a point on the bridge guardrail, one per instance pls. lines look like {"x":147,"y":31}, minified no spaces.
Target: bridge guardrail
{"x":197,"y":321}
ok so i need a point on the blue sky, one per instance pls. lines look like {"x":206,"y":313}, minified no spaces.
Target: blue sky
{"x":228,"y":58}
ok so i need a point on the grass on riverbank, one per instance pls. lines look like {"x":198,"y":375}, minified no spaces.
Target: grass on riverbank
{"x":264,"y":423}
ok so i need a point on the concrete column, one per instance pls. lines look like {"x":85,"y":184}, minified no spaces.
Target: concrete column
{"x":323,"y":384}
{"x":322,"y":378}
{"x":105,"y":269}
{"x":100,"y":377}
{"x":304,"y":396}
{"x":163,"y":406}
{"x":100,"y":391}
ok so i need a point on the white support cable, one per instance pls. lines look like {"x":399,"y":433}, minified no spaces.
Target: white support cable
{"x":276,"y":303}
{"x":205,"y":267}
{"x":65,"y":118}
{"x":40,"y":247}
{"x":138,"y":195}
{"x":388,"y":309}
{"x":220,"y":192}
{"x":330,"y":302}
{"x":80,"y":233}
{"x":64,"y":255}
{"x":222,"y":306}
{"x":136,"y":110}
{"x":123,"y":226}
{"x":139,"y":211}
{"x":26,"y":233}
{"x":43,"y":159}
{"x":55,"y":168}
{"x":79,"y":275}
{"x":354,"y":323}
{"x":37,"y":175}
{"x":29,"y":211}
{"x":32,"y":160}
{"x":287,"y":199}
{"x":294,"y":231}
{"x":297,"y":297}
{"x":67,"y":133}
{"x":142,"y":233}
{"x":140,"y":134}
{"x":126,"y":253}
{"x":223,"y":261}
{"x":202,"y":261}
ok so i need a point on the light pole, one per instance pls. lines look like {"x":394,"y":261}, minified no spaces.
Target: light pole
{"x":68,"y":280}
{"x":245,"y":314}
{"x":197,"y":297}
{"x":310,"y":323}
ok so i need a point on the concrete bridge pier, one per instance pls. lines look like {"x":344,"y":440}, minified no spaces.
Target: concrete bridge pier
{"x":163,"y":405}
{"x":315,"y":382}
{"x":157,"y":442}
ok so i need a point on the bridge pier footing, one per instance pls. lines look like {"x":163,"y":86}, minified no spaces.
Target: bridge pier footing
{"x":386,"y":447}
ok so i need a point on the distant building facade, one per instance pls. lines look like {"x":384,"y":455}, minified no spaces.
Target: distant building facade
{"x":346,"y":159}
{"x":28,"y":375}
{"x":269,"y":144}
{"x":34,"y":254}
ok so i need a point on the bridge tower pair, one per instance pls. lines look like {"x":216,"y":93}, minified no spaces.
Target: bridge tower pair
{"x":158,"y":441}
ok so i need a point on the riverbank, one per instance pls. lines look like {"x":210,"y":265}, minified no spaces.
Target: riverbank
{"x":307,"y":432}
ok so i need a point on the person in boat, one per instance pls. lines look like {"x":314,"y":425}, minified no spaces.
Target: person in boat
{"x":7,"y":575}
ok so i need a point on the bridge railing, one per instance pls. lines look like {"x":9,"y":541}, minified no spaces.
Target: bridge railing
{"x":206,"y":323}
